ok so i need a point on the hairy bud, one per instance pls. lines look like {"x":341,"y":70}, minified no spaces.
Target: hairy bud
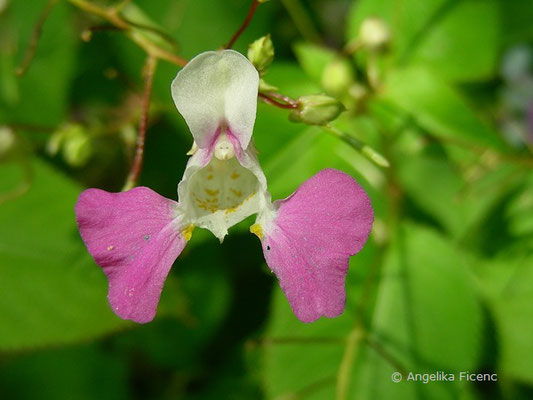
{"x":374,"y":33}
{"x":261,"y":53}
{"x":316,"y":109}
{"x":337,"y":76}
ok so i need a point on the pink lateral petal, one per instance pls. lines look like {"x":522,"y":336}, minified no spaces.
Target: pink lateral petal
{"x":309,"y":243}
{"x":135,"y":237}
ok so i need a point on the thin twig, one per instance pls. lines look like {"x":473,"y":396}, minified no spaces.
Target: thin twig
{"x":363,"y":148}
{"x":284,"y":98}
{"x":35,"y":36}
{"x":112,"y":16}
{"x":249,"y":16}
{"x":269,"y":100}
{"x":268,"y":341}
{"x":22,"y":187}
{"x":133,"y":177}
{"x":381,"y":351}
{"x":165,"y":36}
{"x":307,"y":390}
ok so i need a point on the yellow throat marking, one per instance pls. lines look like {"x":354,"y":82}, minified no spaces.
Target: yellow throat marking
{"x":187,"y":232}
{"x":257,"y":230}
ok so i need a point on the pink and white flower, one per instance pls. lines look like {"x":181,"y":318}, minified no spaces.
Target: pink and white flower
{"x":307,"y":238}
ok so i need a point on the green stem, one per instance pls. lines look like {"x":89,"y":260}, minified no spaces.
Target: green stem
{"x":302,"y":21}
{"x":133,"y":177}
{"x":112,"y":16}
{"x":346,"y":367}
{"x":363,"y":148}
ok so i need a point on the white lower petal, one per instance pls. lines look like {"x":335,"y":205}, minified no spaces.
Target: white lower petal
{"x":217,"y":194}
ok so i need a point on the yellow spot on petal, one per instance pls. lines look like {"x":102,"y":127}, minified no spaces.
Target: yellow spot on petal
{"x":212,"y":192}
{"x":187,"y":232}
{"x":109,"y":248}
{"x":232,"y":209}
{"x":234,"y":175}
{"x":257,"y":230}
{"x":249,"y":196}
{"x":237,"y":193}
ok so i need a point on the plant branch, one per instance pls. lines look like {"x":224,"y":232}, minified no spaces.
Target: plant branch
{"x":112,"y":16}
{"x":267,"y":341}
{"x":35,"y":36}
{"x":133,"y":177}
{"x":247,"y":20}
{"x":381,"y":351}
{"x":267,"y":98}
{"x":363,"y":148}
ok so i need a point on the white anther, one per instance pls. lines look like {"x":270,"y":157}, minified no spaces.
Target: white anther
{"x":224,"y":148}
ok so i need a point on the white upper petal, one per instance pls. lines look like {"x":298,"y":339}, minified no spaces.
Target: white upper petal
{"x":217,"y":89}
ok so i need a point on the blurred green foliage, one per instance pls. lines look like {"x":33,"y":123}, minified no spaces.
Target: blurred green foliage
{"x":444,"y":284}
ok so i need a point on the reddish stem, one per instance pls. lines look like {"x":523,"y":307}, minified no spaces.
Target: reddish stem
{"x":284,"y":98}
{"x":133,"y":177}
{"x":290,"y":104}
{"x":251,"y":12}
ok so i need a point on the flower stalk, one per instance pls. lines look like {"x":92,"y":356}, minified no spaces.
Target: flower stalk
{"x":246,"y":22}
{"x":133,"y":177}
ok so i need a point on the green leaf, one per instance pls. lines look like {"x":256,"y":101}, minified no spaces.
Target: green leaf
{"x":448,"y":43}
{"x":427,"y":318}
{"x":441,"y":34}
{"x":508,"y":286}
{"x":436,"y":186}
{"x":53,"y":292}
{"x":437,"y":107}
{"x":41,"y":95}
{"x":520,"y":210}
{"x":304,"y":358}
{"x":65,"y":374}
{"x":406,"y":20}
{"x":517,"y":16}
{"x":416,"y":322}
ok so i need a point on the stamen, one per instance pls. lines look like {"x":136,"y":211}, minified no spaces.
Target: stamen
{"x":224,"y":148}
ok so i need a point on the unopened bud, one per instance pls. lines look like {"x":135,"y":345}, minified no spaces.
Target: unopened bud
{"x":261,"y":53}
{"x":337,"y":76}
{"x":316,"y":109}
{"x":77,"y":150}
{"x":74,"y":143}
{"x":86,"y":35}
{"x":4,"y":4}
{"x":7,"y":143}
{"x":374,"y":33}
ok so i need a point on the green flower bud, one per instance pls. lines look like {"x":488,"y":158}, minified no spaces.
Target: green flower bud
{"x":73,"y":142}
{"x":77,"y":150}
{"x":316,"y":109}
{"x":4,"y":4}
{"x":337,"y":76}
{"x":7,"y":142}
{"x":374,"y":34}
{"x":12,"y":147}
{"x":261,"y":53}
